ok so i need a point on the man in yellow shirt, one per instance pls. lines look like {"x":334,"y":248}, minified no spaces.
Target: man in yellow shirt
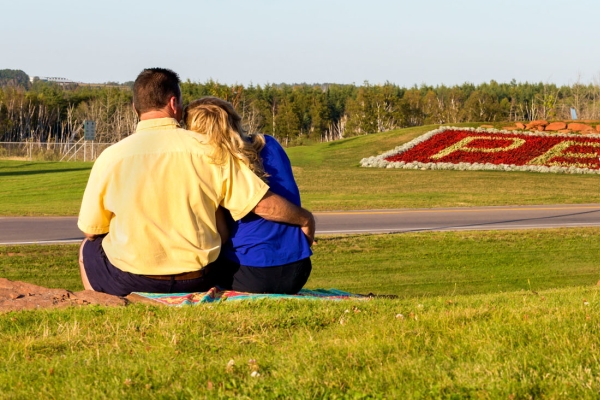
{"x":148,"y":211}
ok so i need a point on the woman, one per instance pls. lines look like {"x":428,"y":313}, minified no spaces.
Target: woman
{"x":260,"y":256}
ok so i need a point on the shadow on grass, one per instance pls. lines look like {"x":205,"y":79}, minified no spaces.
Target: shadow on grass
{"x":343,"y":141}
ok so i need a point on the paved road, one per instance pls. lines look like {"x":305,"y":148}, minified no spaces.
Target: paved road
{"x":25,"y":230}
{"x":455,"y":219}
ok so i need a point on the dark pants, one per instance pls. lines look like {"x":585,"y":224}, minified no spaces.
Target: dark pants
{"x":105,"y":277}
{"x":284,"y":279}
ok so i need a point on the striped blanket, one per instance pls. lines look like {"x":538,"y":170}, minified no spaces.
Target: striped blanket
{"x":215,"y":294}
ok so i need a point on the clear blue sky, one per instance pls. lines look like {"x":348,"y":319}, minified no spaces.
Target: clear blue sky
{"x":342,"y":41}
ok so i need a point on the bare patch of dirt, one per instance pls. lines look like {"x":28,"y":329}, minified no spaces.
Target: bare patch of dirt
{"x":15,"y":296}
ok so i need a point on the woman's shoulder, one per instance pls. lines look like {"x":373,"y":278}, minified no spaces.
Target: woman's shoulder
{"x":270,"y":140}
{"x":272,"y":146}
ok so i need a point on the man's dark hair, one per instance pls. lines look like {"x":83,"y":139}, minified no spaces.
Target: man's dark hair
{"x":153,"y":88}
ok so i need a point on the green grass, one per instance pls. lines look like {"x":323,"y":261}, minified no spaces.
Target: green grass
{"x":444,"y":263}
{"x":53,"y":266}
{"x":517,"y":345}
{"x":329,"y":179}
{"x":408,"y":265}
{"x":480,"y":315}
{"x":42,"y":188}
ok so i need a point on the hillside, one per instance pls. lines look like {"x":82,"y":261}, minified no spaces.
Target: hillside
{"x":330,"y":179}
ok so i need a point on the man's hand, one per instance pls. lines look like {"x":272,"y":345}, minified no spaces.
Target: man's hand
{"x":90,"y":236}
{"x":273,"y":207}
{"x":309,"y":230}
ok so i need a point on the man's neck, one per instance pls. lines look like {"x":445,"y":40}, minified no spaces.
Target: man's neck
{"x":155,"y":114}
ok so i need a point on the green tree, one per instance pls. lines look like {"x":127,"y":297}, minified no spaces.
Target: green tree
{"x":14,"y":78}
{"x":287,"y":122}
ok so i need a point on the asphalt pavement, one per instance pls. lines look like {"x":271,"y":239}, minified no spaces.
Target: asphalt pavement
{"x":30,"y":230}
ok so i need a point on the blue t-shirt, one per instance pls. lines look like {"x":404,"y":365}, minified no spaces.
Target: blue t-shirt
{"x":256,"y":242}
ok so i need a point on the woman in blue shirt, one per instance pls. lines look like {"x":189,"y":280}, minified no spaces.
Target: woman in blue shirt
{"x":257,"y":255}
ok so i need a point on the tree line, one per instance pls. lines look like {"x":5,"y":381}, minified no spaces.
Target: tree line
{"x":46,"y":111}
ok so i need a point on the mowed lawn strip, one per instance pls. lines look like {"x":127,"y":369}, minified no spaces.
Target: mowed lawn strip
{"x":42,"y":188}
{"x":444,"y":263}
{"x":408,"y":265}
{"x":329,"y":179}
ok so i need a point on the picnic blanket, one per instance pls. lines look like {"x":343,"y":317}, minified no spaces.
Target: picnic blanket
{"x":215,"y":295}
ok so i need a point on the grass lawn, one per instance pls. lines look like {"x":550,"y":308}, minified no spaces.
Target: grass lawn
{"x":408,"y":265}
{"x":42,"y":188}
{"x":515,"y":346}
{"x":329,"y":179}
{"x":503,"y":314}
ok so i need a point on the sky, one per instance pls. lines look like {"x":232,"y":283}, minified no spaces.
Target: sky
{"x":408,"y":43}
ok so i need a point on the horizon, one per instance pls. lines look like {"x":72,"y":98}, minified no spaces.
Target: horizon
{"x":420,"y":85}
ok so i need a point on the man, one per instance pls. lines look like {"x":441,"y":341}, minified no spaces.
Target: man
{"x":148,"y":211}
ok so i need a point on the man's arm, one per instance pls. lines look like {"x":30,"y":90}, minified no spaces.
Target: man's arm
{"x":93,"y":216}
{"x":273,"y":207}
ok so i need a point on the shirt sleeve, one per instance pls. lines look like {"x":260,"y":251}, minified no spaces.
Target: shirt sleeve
{"x":242,"y":189}
{"x":94,"y":218}
{"x":277,"y":165}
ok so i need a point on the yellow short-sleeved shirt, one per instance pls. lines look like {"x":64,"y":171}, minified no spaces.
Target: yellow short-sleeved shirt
{"x":156,"y":193}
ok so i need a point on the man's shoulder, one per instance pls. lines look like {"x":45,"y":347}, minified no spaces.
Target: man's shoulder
{"x":118,"y":148}
{"x":200,"y":138}
{"x":159,"y":142}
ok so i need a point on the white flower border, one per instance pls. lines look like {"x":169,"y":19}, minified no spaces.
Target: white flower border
{"x":380,"y":162}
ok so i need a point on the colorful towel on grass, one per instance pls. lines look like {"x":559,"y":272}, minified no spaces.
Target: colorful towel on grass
{"x":215,"y":294}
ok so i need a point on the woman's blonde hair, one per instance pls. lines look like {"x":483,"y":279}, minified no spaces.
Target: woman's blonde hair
{"x":218,"y":120}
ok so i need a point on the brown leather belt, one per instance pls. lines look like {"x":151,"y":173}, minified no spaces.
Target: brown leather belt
{"x":178,"y":277}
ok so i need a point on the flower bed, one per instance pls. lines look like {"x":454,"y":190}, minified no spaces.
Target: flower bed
{"x":489,"y":149}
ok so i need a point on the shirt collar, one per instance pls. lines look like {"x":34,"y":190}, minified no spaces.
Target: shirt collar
{"x":157,"y":123}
